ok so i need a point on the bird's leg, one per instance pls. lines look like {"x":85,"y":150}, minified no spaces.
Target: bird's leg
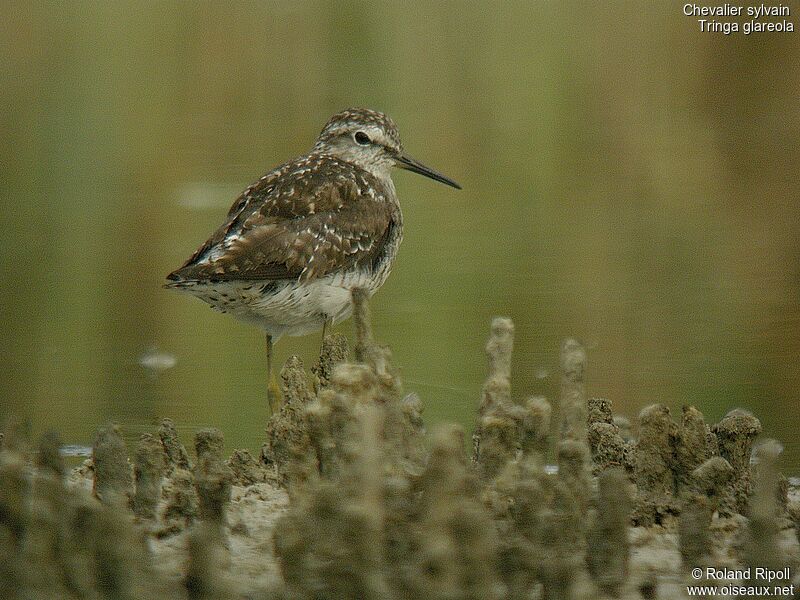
{"x":269,"y":356}
{"x":326,"y":325}
{"x":273,"y":391}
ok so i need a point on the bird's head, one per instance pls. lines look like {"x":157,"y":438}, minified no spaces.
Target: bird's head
{"x":369,"y":139}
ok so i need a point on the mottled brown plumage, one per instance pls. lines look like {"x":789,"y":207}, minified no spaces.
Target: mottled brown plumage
{"x":308,"y":218}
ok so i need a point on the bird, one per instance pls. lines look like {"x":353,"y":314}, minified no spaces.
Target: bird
{"x":296,"y":242}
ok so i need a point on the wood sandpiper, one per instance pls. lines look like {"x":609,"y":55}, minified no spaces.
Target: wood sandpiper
{"x":298,"y":241}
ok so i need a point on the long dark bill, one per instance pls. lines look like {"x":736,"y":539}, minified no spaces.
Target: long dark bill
{"x":406,"y":162}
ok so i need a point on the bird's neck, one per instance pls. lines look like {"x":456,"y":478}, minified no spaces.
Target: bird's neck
{"x":380,"y":169}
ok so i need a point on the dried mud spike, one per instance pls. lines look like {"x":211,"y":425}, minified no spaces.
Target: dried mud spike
{"x":569,"y":512}
{"x":556,"y":533}
{"x":181,"y":508}
{"x":412,"y":407}
{"x":325,"y":417}
{"x":203,"y":578}
{"x":212,"y":477}
{"x":499,"y":441}
{"x":573,"y":473}
{"x":761,"y":548}
{"x":403,"y":438}
{"x":48,"y":458}
{"x":573,"y":405}
{"x":735,"y":435}
{"x":46,"y":532}
{"x":520,"y":494}
{"x":119,"y":556}
{"x":710,"y":479}
{"x":388,"y":375}
{"x":558,"y":562}
{"x":764,"y":503}
{"x":327,"y":547}
{"x":209,"y":443}
{"x":355,"y":381}
{"x":694,"y":541}
{"x":700,"y":497}
{"x":654,"y":465}
{"x":600,"y":411}
{"x":148,"y":469}
{"x":112,"y":471}
{"x":288,"y":448}
{"x":500,"y":347}
{"x":369,"y":470}
{"x":246,"y":470}
{"x":535,"y":438}
{"x":446,"y":472}
{"x":608,"y":550}
{"x":609,"y":449}
{"x":294,"y":384}
{"x":335,"y":350}
{"x":625,"y":428}
{"x":82,"y":529}
{"x":456,"y":540}
{"x":691,"y":448}
{"x":365,"y":343}
{"x":496,"y":391}
{"x":177,"y":457}
{"x":333,"y":419}
{"x":330,"y":543}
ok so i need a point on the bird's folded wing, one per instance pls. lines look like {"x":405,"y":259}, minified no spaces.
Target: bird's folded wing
{"x":332,"y":225}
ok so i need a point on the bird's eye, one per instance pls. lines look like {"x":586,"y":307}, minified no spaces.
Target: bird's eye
{"x":362,"y":138}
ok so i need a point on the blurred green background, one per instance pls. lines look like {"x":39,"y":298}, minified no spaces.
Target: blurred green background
{"x":627,"y":180}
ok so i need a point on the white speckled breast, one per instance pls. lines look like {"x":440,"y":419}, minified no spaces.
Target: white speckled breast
{"x":291,"y":307}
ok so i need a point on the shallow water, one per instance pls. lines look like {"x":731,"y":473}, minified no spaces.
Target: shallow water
{"x":627,"y":180}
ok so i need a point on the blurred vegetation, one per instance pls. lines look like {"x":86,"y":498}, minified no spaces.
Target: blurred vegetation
{"x":627,"y":180}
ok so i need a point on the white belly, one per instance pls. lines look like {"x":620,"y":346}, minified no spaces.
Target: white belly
{"x":286,"y":307}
